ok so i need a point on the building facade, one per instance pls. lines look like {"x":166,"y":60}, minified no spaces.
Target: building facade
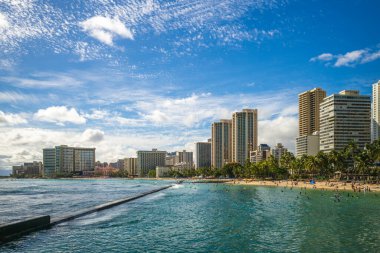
{"x":244,"y":135}
{"x":278,"y":151}
{"x":33,"y":169}
{"x":307,"y":145}
{"x":130,"y":165}
{"x":262,"y":153}
{"x":48,"y":162}
{"x":308,"y":111}
{"x":63,"y":159}
{"x":203,"y":154}
{"x":345,"y":117}
{"x":184,"y":159}
{"x":148,"y":160}
{"x":375,"y":126}
{"x":221,"y":143}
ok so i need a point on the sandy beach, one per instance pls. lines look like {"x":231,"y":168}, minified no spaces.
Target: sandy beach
{"x":321,"y":185}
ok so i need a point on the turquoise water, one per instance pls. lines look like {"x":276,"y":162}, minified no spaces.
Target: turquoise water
{"x":192,"y":218}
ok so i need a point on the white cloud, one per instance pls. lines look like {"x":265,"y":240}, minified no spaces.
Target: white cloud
{"x":59,"y":115}
{"x":10,"y":119}
{"x":92,"y":135}
{"x":283,"y":129}
{"x":106,"y":29}
{"x":323,"y":57}
{"x":4,"y":24}
{"x":349,"y":59}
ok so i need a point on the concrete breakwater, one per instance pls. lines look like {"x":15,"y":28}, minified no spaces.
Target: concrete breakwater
{"x":14,"y":230}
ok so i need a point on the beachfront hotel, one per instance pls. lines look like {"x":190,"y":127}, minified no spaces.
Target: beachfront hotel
{"x":244,"y":135}
{"x":308,"y":111}
{"x":130,"y":165}
{"x":307,"y":145}
{"x":221,"y":143}
{"x":64,"y":159}
{"x":375,"y":126}
{"x":345,"y":117}
{"x":307,"y":142}
{"x":203,"y":154}
{"x":149,"y":160}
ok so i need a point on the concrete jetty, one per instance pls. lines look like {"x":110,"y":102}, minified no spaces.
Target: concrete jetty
{"x":17,"y":229}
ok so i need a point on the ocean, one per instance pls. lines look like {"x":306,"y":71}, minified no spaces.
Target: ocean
{"x":191,"y":217}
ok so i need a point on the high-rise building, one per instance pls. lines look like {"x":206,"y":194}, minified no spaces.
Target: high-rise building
{"x":184,"y":159}
{"x":308,"y":109}
{"x":48,"y":162}
{"x":84,"y":159}
{"x":221,"y":143}
{"x":262,"y":153}
{"x":244,"y":135}
{"x":148,"y":160}
{"x":345,"y":117}
{"x":278,"y":151}
{"x":203,"y":154}
{"x":130,"y":166}
{"x":307,"y":145}
{"x":64,"y":159}
{"x":375,"y":127}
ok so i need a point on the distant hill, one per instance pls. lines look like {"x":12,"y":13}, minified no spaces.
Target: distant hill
{"x":5,"y":172}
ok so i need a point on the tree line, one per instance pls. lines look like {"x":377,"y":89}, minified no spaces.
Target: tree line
{"x":349,"y":163}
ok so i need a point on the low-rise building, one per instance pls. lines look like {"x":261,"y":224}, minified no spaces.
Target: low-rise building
{"x":33,"y":169}
{"x":278,"y":151}
{"x":261,"y":154}
{"x":307,"y":145}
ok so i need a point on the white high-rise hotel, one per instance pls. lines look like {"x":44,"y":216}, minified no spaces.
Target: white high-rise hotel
{"x":375,"y":126}
{"x":345,"y":117}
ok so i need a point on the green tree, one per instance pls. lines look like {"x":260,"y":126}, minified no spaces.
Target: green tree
{"x":152,"y":174}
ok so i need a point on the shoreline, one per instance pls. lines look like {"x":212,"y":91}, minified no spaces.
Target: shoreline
{"x":319,"y":185}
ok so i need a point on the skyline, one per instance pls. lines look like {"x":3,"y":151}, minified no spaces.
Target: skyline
{"x":146,"y":74}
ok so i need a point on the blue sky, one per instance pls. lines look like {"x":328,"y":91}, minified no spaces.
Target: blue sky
{"x":128,"y":75}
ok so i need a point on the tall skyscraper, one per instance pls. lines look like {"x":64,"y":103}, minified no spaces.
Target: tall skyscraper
{"x":308,"y":109}
{"x":64,"y":159}
{"x":148,"y":160}
{"x":345,"y":117}
{"x":203,"y":154}
{"x":244,"y":135}
{"x":221,"y":143}
{"x":375,"y":126}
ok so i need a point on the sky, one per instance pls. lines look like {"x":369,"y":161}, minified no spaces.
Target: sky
{"x":124,"y":76}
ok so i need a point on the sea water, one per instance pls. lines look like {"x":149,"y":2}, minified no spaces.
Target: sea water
{"x":191,"y":218}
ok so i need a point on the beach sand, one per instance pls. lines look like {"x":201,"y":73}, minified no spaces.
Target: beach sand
{"x":321,"y":185}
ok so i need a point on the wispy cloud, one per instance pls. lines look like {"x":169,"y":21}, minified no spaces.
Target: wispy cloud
{"x":43,"y":80}
{"x":201,"y":23}
{"x":349,"y":59}
{"x":15,"y":97}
